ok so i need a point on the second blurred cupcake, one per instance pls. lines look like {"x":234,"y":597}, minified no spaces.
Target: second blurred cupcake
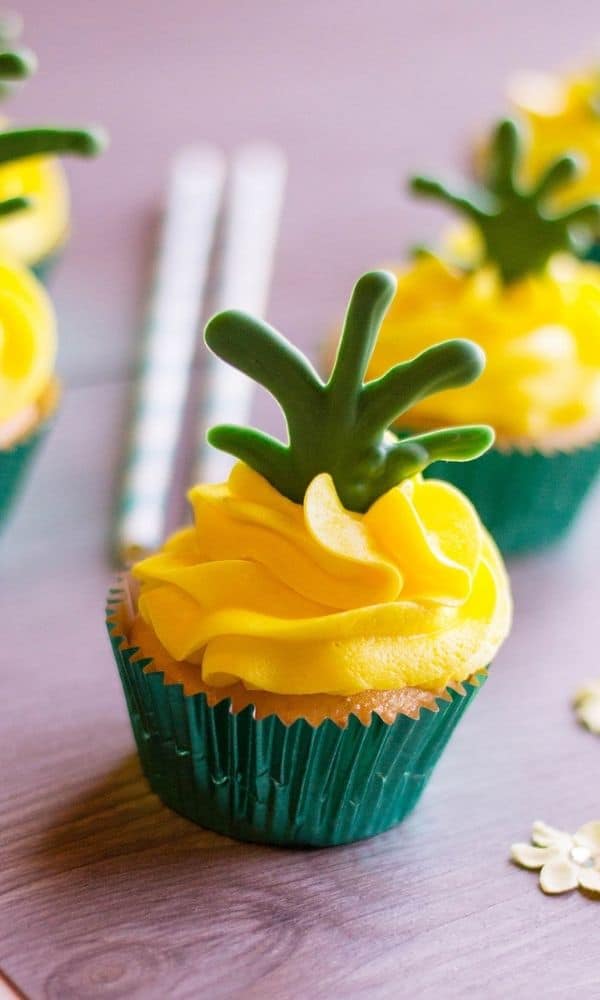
{"x":34,"y":197}
{"x":522,"y":294}
{"x":33,"y":227}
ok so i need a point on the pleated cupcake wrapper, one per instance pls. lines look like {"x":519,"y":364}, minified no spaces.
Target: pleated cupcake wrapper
{"x":14,"y":463}
{"x":265,"y":781}
{"x":525,"y":499}
{"x":44,"y":268}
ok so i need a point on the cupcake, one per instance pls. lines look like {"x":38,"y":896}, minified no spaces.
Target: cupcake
{"x":28,"y":388}
{"x":34,"y":197}
{"x":534,"y":307}
{"x":33,"y":216}
{"x":295,"y":662}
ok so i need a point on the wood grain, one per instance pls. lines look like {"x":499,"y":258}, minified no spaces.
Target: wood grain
{"x":104,"y":893}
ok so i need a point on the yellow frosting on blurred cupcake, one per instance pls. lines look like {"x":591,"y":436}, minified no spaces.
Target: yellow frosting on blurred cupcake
{"x":27,"y":342}
{"x":541,"y":336}
{"x":563,"y":115}
{"x":36,"y":231}
{"x":311,"y":598}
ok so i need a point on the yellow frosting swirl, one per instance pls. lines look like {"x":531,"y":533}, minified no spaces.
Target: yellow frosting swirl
{"x":37,"y":231}
{"x":27,"y":340}
{"x":312,"y":599}
{"x":541,"y":336}
{"x":561,"y":116}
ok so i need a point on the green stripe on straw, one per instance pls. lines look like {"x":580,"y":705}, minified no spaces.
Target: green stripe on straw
{"x":186,"y":240}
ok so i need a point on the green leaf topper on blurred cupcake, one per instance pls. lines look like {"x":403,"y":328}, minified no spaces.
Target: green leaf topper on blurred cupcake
{"x":325,"y":588}
{"x":561,"y":114}
{"x":515,"y":285}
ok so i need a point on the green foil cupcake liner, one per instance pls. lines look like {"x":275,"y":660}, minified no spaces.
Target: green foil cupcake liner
{"x":268,"y":782}
{"x":14,"y":464}
{"x":525,"y":499}
{"x":44,"y":268}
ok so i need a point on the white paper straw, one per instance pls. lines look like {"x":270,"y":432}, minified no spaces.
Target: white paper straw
{"x":194,"y":194}
{"x":255,"y":197}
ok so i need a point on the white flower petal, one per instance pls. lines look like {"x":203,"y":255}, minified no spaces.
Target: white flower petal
{"x":589,"y":690}
{"x":589,"y":878}
{"x":588,"y":835}
{"x":532,"y":857}
{"x":548,"y":836}
{"x":559,"y":875}
{"x":588,"y":712}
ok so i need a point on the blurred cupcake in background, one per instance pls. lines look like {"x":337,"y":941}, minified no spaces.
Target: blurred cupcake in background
{"x":33,"y":223}
{"x":511,"y":282}
{"x":33,"y":182}
{"x":295,"y":662}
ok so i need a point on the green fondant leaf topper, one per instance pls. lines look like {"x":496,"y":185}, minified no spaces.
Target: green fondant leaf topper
{"x":519,"y":231}
{"x":340,"y":426}
{"x":16,"y":64}
{"x":15,"y":144}
{"x":11,"y":205}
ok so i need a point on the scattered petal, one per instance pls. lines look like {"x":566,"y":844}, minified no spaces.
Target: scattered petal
{"x":532,"y":857}
{"x":588,"y":713}
{"x":588,"y":835}
{"x":586,"y":703}
{"x":559,"y":875}
{"x":548,"y":836}
{"x":589,"y":878}
{"x":589,"y":690}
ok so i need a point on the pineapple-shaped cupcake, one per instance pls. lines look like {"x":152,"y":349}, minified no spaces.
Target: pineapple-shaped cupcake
{"x":516,"y":287}
{"x":295,"y":662}
{"x":28,"y":386}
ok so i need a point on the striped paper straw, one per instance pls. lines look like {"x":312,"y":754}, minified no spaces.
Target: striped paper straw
{"x":255,"y":197}
{"x":194,"y":194}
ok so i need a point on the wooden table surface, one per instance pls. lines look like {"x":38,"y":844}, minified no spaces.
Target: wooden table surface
{"x":103,"y":892}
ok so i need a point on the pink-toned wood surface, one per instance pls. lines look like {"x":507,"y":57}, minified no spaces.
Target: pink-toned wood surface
{"x":103,"y":892}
